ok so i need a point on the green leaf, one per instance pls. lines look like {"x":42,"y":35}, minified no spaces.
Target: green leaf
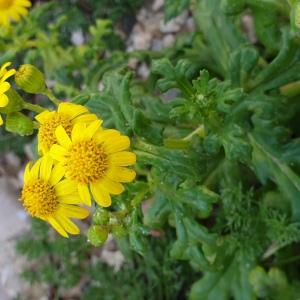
{"x":268,"y":165}
{"x":173,"y":8}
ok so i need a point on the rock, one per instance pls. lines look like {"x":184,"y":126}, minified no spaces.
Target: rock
{"x":157,"y":5}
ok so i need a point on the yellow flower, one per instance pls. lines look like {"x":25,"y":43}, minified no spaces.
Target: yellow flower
{"x":4,"y":85}
{"x":47,"y":196}
{"x":13,"y":10}
{"x":94,"y":159}
{"x":67,"y":115}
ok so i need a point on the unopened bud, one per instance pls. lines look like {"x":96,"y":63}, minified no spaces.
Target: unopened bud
{"x":30,"y":79}
{"x":118,"y":231}
{"x":101,"y":216}
{"x":97,"y":235}
{"x":15,"y":103}
{"x":18,"y":123}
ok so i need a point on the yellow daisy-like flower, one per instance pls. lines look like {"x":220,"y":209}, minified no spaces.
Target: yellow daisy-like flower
{"x":4,"y":85}
{"x":94,"y":159}
{"x":47,"y":196}
{"x":13,"y":10}
{"x":67,"y":115}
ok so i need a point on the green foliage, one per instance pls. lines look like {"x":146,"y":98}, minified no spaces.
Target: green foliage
{"x":218,"y":165}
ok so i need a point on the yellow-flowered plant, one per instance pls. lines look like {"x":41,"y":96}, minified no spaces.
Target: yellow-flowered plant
{"x":4,"y":85}
{"x":48,"y":196}
{"x":80,"y":160}
{"x":67,"y":115}
{"x":13,"y":10}
{"x":95,"y":160}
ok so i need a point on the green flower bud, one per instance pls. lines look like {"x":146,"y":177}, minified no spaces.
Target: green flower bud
{"x":16,"y":102}
{"x":259,"y":280}
{"x":18,"y":123}
{"x":30,"y":79}
{"x":97,"y":235}
{"x":101,"y":216}
{"x":277,"y":278}
{"x":118,"y":231}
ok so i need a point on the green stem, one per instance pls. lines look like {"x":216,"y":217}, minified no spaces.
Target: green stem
{"x":52,"y":98}
{"x":199,"y":131}
{"x":33,"y":107}
{"x":291,"y":89}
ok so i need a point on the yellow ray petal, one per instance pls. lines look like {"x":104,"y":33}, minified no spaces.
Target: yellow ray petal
{"x":58,"y":153}
{"x":65,"y":187}
{"x":78,"y":132}
{"x":57,"y":227}
{"x":3,"y":100}
{"x":35,"y":170}
{"x":92,"y":129}
{"x":117,"y":144}
{"x":122,"y":159}
{"x":42,"y":117}
{"x":67,"y":224}
{"x":4,"y":87}
{"x":84,"y":194}
{"x":86,"y":118}
{"x":62,"y":137}
{"x":57,"y":174}
{"x":102,"y":135}
{"x":120,"y":174}
{"x":110,"y":186}
{"x":73,"y":211}
{"x":72,"y":198}
{"x":71,"y":109}
{"x":46,"y":167}
{"x":100,"y":195}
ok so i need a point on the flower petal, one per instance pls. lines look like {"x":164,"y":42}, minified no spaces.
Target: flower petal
{"x":57,"y":174}
{"x":101,"y":196}
{"x":55,"y":224}
{"x":123,"y":158}
{"x":65,"y":187}
{"x":110,"y":186}
{"x":4,"y":87}
{"x":84,"y":194}
{"x":43,"y":116}
{"x":3,"y":100}
{"x":71,"y":109}
{"x":73,"y":211}
{"x":120,"y":174}
{"x":72,"y":198}
{"x":66,"y":223}
{"x":46,"y":167}
{"x":117,"y":144}
{"x":78,"y":132}
{"x":92,"y":129}
{"x":62,"y":137}
{"x":58,"y":152}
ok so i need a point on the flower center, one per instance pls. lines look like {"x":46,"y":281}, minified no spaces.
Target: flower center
{"x":39,"y":198}
{"x":5,"y":4}
{"x":86,"y":162}
{"x":47,"y":129}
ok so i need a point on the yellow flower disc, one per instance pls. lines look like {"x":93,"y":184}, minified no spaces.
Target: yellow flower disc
{"x":95,"y":159}
{"x":86,"y":162}
{"x":50,"y":197}
{"x":39,"y":198}
{"x":46,"y":135}
{"x":67,"y":115}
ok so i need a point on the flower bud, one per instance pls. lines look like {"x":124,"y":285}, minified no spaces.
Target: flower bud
{"x":101,"y":216}
{"x":30,"y":79}
{"x":16,"y":102}
{"x":118,"y":231}
{"x":18,"y":123}
{"x":97,"y":235}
